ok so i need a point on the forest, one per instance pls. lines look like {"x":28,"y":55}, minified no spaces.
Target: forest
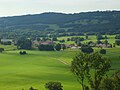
{"x":60,"y":24}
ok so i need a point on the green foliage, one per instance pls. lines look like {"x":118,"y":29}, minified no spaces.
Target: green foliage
{"x":58,"y":47}
{"x":62,"y":41}
{"x":1,"y":50}
{"x":48,"y":47}
{"x":54,"y":39}
{"x":68,"y":39}
{"x":22,"y":52}
{"x":100,"y":66}
{"x":76,"y":39}
{"x":38,"y":39}
{"x":106,"y":37}
{"x":24,"y":43}
{"x":99,"y":36}
{"x":102,"y":51}
{"x":60,"y":24}
{"x":117,"y":36}
{"x":117,"y":42}
{"x":107,"y":84}
{"x":111,"y":83}
{"x":79,"y":67}
{"x":99,"y":42}
{"x":87,"y":49}
{"x":31,"y":88}
{"x":106,"y":42}
{"x":53,"y":86}
{"x":83,"y":64}
{"x":63,"y":46}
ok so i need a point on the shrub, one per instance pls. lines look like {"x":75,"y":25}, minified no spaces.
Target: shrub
{"x":1,"y":50}
{"x":117,"y":42}
{"x":6,"y":43}
{"x":58,"y":47}
{"x":111,"y":83}
{"x":46,"y":47}
{"x":53,"y":86}
{"x":102,"y":51}
{"x":22,"y":52}
{"x":86,"y":49}
{"x":31,"y":88}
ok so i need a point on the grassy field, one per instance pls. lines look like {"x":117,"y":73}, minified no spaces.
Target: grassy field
{"x":34,"y":69}
{"x":111,"y":39}
{"x":38,"y":67}
{"x":8,"y":47}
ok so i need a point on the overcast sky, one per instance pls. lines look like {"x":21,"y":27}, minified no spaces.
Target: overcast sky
{"x":22,"y":7}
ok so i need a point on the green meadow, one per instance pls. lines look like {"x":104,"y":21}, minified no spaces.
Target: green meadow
{"x":38,"y":67}
{"x":111,"y":39}
{"x":35,"y":69}
{"x":19,"y":72}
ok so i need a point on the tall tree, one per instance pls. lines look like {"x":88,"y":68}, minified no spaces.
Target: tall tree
{"x":24,"y":43}
{"x":99,"y":66}
{"x":93,"y":67}
{"x":111,"y":83}
{"x":58,"y":47}
{"x":99,"y":36}
{"x":79,"y":67}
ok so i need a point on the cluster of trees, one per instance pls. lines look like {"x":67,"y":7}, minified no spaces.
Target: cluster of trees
{"x":117,"y":36}
{"x":102,"y":51}
{"x":117,"y":41}
{"x":87,"y":49}
{"x":22,"y":52}
{"x":6,"y":43}
{"x":77,"y":40}
{"x":73,"y":24}
{"x":53,"y":86}
{"x":1,"y":50}
{"x":50,"y":86}
{"x":99,"y":36}
{"x":24,"y":43}
{"x":48,"y":47}
{"x":93,"y":44}
{"x":112,"y":82}
{"x":92,"y":67}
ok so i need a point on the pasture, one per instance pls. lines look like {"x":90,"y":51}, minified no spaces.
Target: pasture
{"x":19,"y":72}
{"x":111,"y":39}
{"x":38,"y":67}
{"x":35,"y":69}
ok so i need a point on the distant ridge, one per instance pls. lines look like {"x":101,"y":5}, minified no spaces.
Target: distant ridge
{"x":99,"y":21}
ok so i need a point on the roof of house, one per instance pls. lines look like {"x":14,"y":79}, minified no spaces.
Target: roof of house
{"x":6,"y":40}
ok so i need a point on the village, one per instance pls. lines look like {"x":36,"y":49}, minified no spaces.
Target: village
{"x":75,"y":42}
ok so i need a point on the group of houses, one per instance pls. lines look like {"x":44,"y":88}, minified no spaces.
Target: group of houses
{"x":50,"y":42}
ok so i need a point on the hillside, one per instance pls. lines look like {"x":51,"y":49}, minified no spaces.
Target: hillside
{"x":60,"y":24}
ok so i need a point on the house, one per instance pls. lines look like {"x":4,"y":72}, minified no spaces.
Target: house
{"x":70,"y":45}
{"x":75,"y":47}
{"x":48,"y":42}
{"x":104,"y":45}
{"x":6,"y":40}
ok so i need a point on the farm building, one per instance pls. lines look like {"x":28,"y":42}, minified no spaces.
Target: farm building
{"x":48,"y":42}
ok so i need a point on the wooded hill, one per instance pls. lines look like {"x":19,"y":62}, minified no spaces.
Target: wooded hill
{"x":61,"y":24}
